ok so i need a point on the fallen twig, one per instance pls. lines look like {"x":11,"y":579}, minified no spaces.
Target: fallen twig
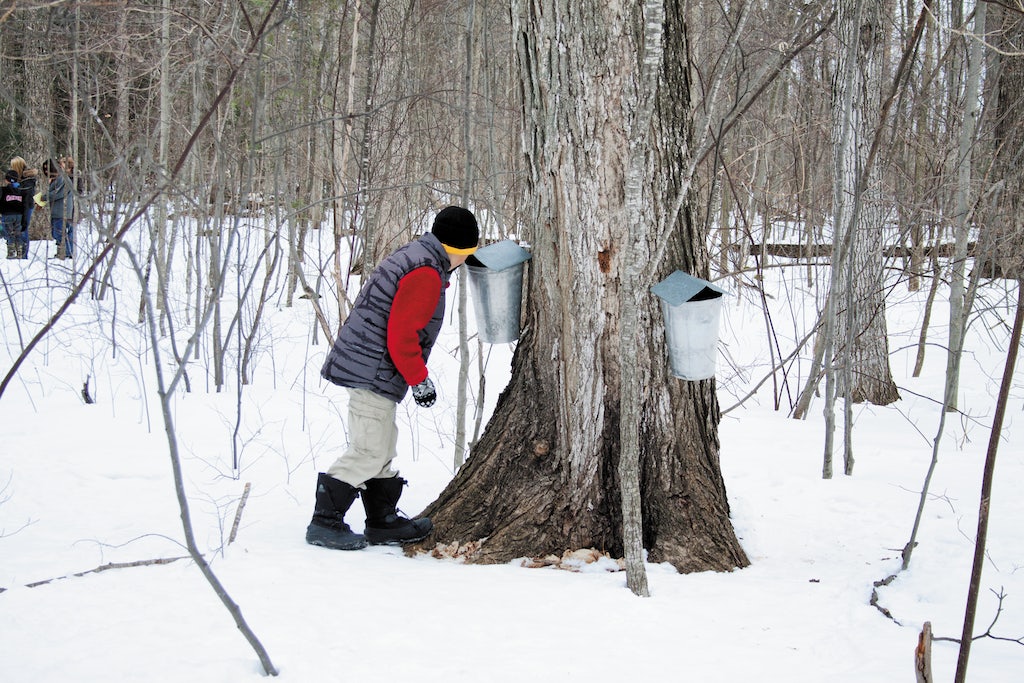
{"x":238,"y":514}
{"x":874,"y":597}
{"x":1000,"y":595}
{"x":105,"y":567}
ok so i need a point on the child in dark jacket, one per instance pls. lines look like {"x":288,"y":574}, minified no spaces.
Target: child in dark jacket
{"x":12,"y":214}
{"x":60,"y":196}
{"x":380,"y":354}
{"x":28,"y":186}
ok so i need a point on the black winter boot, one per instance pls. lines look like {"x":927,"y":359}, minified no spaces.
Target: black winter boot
{"x":384,"y":524}
{"x":328,"y":529}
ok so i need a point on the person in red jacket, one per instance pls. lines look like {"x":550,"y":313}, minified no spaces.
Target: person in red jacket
{"x":380,"y":352}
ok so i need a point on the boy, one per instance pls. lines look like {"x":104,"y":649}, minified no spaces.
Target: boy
{"x":381,"y":351}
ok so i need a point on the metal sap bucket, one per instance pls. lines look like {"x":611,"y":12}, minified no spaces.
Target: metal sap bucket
{"x":692,"y":308}
{"x":496,"y":282}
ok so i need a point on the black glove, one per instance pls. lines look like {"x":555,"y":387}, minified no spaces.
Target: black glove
{"x":424,"y":393}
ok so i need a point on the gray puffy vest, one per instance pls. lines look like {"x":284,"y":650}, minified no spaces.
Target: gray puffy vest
{"x":359,"y":357}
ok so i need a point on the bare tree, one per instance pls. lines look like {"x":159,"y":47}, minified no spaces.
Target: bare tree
{"x":543,"y":477}
{"x":963,"y":206}
{"x":857,"y":293}
{"x":255,"y":34}
{"x":1003,"y":256}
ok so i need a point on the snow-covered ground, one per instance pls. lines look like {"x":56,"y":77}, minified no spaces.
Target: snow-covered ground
{"x":84,"y":485}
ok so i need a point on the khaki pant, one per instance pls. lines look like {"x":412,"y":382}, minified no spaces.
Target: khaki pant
{"x":372,"y":435}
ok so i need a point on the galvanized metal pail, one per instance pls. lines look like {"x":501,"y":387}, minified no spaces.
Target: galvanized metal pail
{"x":692,"y":308}
{"x":496,"y":283}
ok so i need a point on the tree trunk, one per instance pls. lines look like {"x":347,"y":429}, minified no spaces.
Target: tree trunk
{"x":1001,"y":246}
{"x":364,"y":210}
{"x":964,"y":214}
{"x":988,"y":475}
{"x":163,"y":152}
{"x":543,"y":478}
{"x":459,"y":455}
{"x":858,"y":293}
{"x":342,"y":153}
{"x":923,"y":655}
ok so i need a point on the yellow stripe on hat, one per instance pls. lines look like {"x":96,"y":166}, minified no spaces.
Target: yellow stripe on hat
{"x":458,"y":252}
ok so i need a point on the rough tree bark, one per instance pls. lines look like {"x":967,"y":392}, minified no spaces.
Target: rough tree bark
{"x":861,"y":335}
{"x":1001,"y":247}
{"x":543,"y":478}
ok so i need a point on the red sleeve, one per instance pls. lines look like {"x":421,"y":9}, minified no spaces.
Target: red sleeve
{"x":413,"y":307}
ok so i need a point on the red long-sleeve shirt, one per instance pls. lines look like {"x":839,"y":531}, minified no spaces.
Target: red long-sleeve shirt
{"x":412,"y":308}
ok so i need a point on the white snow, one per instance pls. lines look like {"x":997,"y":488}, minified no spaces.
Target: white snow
{"x":86,"y":485}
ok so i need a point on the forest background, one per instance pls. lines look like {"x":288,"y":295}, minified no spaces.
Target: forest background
{"x":362,"y":118}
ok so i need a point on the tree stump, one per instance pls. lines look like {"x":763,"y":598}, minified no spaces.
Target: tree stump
{"x":923,"y":655}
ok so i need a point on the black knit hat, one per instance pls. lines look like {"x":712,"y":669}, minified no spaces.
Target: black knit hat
{"x":456,"y":229}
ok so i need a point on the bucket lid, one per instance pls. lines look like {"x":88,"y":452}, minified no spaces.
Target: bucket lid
{"x":680,"y":287}
{"x":499,"y":256}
